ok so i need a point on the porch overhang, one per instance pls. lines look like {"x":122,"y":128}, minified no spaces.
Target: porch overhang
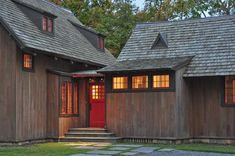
{"x":87,"y":73}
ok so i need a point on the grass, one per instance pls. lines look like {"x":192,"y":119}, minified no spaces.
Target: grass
{"x":199,"y":147}
{"x":61,"y":149}
{"x":46,"y":149}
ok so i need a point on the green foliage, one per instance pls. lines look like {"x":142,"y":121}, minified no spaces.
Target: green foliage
{"x":116,"y":18}
{"x":47,"y":149}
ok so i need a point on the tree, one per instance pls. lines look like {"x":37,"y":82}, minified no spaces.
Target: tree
{"x":221,"y":7}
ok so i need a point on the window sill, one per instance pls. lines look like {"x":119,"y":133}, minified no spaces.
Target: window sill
{"x":228,"y":105}
{"x":69,"y":115}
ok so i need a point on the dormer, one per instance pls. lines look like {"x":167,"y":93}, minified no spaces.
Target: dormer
{"x":95,"y":38}
{"x":160,"y":41}
{"x":44,"y":20}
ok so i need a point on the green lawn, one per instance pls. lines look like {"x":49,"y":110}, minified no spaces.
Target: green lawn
{"x":200,"y":147}
{"x":61,"y":149}
{"x":46,"y":149}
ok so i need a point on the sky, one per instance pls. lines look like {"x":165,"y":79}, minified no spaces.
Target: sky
{"x":139,"y":3}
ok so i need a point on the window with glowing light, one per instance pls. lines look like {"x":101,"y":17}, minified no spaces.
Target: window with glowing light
{"x":140,"y":82}
{"x":161,"y":81}
{"x":120,"y":83}
{"x":229,"y":93}
{"x":69,"y":98}
{"x":97,"y":92}
{"x":27,"y":62}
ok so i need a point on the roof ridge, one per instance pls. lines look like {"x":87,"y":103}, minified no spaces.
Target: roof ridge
{"x":62,"y":8}
{"x":211,"y":18}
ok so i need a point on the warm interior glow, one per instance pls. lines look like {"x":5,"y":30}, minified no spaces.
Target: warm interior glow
{"x":161,"y":81}
{"x":75,"y":98}
{"x":139,"y":82}
{"x":63,"y":98}
{"x":28,"y":61}
{"x":69,"y":98}
{"x":97,"y":92}
{"x":120,"y":82}
{"x":229,"y":90}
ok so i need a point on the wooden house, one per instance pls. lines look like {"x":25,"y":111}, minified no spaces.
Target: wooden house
{"x":173,"y":81}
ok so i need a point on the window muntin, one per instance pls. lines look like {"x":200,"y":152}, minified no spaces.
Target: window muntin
{"x":161,"y":81}
{"x":47,"y":24}
{"x":69,"y":98}
{"x":27,"y":61}
{"x":140,"y":82}
{"x":120,"y":82}
{"x":229,"y":90}
{"x":97,"y":92}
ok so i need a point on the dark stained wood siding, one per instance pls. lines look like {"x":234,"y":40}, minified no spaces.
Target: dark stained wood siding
{"x":52,"y":105}
{"x":210,"y":119}
{"x":7,"y":86}
{"x":183,"y":105}
{"x":142,"y":114}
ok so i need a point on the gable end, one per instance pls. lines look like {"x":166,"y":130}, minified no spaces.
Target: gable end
{"x":160,"y":41}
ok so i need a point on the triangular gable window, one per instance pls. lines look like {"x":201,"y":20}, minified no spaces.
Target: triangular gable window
{"x":160,"y":42}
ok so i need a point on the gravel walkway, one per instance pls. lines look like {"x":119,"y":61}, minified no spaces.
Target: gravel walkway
{"x":183,"y":153}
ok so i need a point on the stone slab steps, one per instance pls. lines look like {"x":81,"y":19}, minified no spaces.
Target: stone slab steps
{"x":89,"y":135}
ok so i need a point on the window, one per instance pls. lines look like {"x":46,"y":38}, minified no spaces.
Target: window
{"x":161,"y":81}
{"x":139,"y":82}
{"x":120,"y":82}
{"x":97,"y":92}
{"x":229,"y":90}
{"x":69,"y":98}
{"x":27,"y":62}
{"x":47,"y":24}
{"x":100,"y":43}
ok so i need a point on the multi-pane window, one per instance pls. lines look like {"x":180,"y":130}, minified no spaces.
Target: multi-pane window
{"x":27,"y":61}
{"x":229,"y":90}
{"x":120,"y":82}
{"x":47,"y":24}
{"x":139,"y":82}
{"x":161,"y":81}
{"x":97,"y":92}
{"x":69,"y":98}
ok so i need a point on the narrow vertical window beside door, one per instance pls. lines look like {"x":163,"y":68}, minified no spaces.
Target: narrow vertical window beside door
{"x":69,"y":98}
{"x":229,"y":92}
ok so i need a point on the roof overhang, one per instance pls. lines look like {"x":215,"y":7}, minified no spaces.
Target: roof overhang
{"x":147,"y":65}
{"x":87,"y":73}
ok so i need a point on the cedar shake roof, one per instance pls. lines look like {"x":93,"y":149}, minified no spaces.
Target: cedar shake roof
{"x":147,"y":64}
{"x":210,"y":41}
{"x":18,"y":17}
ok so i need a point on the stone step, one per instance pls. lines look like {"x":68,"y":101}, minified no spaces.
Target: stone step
{"x":88,"y":130}
{"x":90,"y":139}
{"x":88,"y":134}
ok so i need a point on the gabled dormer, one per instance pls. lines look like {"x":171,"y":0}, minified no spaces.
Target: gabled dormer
{"x":95,"y":38}
{"x":44,"y":20}
{"x":160,"y":41}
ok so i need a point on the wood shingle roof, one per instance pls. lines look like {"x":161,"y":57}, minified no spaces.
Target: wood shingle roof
{"x":66,"y":41}
{"x":210,"y":41}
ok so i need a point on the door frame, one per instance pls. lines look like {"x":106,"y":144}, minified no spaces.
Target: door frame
{"x":92,"y":81}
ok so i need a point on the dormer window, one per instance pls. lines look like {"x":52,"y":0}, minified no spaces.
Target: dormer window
{"x":100,"y":42}
{"x":160,"y":41}
{"x":47,"y":24}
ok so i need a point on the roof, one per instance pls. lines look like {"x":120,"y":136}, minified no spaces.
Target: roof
{"x":87,"y":73}
{"x":67,"y":40}
{"x":210,"y":40}
{"x":147,"y":64}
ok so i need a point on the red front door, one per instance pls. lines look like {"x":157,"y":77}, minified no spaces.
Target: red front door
{"x":97,"y":106}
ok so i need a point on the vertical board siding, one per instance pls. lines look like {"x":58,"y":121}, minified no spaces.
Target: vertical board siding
{"x":52,"y":105}
{"x":7,"y":89}
{"x":141,"y":114}
{"x":210,"y":119}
